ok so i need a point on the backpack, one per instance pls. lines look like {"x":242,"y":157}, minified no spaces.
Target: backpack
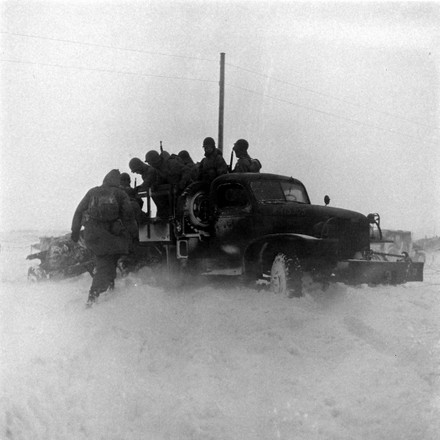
{"x":255,"y":166}
{"x":103,"y":206}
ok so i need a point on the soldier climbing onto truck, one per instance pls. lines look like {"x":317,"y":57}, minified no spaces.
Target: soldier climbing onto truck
{"x":170,"y":170}
{"x":149,"y":174}
{"x":126,"y":185}
{"x":150,"y":180}
{"x":136,"y":201}
{"x":110,"y":230}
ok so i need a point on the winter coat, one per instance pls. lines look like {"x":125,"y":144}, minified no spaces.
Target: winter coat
{"x":150,"y":178}
{"x":245,"y":164}
{"x":108,"y":218}
{"x":173,"y":171}
{"x":131,"y":192}
{"x":137,"y":203}
{"x":190,"y":169}
{"x":212,"y":166}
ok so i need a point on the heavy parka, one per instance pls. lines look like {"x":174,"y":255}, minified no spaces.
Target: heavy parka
{"x":106,"y":237}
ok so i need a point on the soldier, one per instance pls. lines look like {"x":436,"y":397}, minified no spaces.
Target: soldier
{"x":213,"y":164}
{"x":185,"y":157}
{"x":109,"y":230}
{"x":149,"y":175}
{"x":191,"y":168}
{"x":245,"y":164}
{"x":170,"y":169}
{"x":150,"y":180}
{"x":135,"y":200}
{"x":126,"y":185}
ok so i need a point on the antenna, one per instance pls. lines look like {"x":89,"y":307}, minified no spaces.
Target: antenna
{"x":221,"y":102}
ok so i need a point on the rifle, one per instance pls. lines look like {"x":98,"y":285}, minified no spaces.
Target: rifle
{"x":161,"y":148}
{"x":230,"y":163}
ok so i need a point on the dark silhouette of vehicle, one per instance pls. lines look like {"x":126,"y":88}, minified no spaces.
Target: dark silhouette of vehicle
{"x":260,"y":226}
{"x":59,"y":258}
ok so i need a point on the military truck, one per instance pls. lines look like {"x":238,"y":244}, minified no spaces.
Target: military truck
{"x":260,"y":226}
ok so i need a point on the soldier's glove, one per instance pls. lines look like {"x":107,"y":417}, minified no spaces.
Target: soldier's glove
{"x":75,"y":236}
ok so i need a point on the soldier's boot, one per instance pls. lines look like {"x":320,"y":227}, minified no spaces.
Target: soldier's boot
{"x":123,"y":265}
{"x":93,"y":295}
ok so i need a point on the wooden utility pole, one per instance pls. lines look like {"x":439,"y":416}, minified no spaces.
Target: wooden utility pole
{"x":222,"y":102}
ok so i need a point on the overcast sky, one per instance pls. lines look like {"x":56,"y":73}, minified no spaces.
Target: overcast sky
{"x":343,"y":96}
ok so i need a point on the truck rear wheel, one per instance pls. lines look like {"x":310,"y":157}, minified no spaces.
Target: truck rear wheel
{"x":286,"y":276}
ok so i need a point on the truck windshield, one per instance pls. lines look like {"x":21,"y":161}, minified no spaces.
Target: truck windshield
{"x":279,"y":191}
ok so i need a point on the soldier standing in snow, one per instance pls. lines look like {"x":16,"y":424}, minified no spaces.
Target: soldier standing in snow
{"x":109,"y":230}
{"x":245,"y":164}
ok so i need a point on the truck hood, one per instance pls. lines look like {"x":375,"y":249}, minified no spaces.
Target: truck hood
{"x":312,"y":212}
{"x":350,"y":228}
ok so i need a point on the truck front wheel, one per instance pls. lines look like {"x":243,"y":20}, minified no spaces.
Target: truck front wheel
{"x":286,"y":276}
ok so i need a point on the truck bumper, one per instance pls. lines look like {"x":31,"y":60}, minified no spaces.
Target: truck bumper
{"x":379,"y":272}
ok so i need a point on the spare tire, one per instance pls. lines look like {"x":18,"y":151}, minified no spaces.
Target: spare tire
{"x":194,"y":205}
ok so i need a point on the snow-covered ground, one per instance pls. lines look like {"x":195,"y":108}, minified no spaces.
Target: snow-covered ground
{"x":216,"y":361}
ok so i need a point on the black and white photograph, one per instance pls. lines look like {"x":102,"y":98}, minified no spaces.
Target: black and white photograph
{"x":219,"y":220}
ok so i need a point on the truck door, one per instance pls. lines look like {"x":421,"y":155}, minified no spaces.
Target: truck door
{"x":233,"y":214}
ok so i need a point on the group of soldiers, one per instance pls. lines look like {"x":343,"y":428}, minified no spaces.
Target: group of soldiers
{"x":180,"y":170}
{"x":111,"y":213}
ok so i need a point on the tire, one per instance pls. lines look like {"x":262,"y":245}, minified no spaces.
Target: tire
{"x":286,"y":276}
{"x":195,"y":205}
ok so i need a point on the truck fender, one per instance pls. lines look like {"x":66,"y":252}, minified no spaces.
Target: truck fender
{"x":260,"y":252}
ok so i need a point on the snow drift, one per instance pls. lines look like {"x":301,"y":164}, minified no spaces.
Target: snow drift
{"x":216,"y":361}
